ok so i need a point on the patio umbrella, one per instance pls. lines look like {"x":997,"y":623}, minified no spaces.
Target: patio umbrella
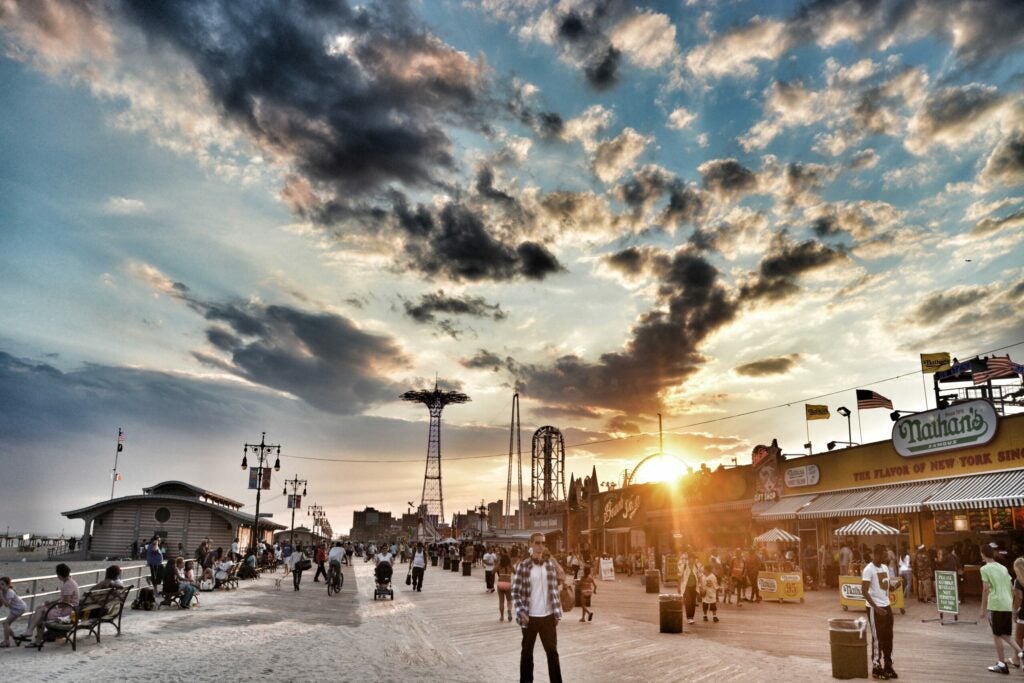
{"x":777,"y":535}
{"x":866,"y":527}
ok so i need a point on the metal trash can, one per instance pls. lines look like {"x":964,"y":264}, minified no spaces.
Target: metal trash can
{"x":653,"y":580}
{"x":447,"y":563}
{"x":849,"y":646}
{"x":670,"y":612}
{"x":455,"y":564}
{"x":467,"y":568}
{"x":433,"y":560}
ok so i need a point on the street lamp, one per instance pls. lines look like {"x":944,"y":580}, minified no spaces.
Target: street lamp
{"x":295,"y":501}
{"x":317,"y":512}
{"x":261,"y":451}
{"x":895,"y":415}
{"x":832,"y":444}
{"x":845,"y":412}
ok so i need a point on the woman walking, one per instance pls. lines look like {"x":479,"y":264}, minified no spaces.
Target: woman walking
{"x":297,"y":559}
{"x":587,"y":588}
{"x":504,"y":585}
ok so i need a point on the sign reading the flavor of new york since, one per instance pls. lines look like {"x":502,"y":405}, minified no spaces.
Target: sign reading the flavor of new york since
{"x":971,"y":423}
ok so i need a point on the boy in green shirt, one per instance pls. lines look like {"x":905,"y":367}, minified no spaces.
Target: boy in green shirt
{"x":997,"y":599}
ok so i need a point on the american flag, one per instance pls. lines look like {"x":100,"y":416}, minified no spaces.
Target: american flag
{"x":996,"y":366}
{"x":120,"y":440}
{"x":869,"y":399}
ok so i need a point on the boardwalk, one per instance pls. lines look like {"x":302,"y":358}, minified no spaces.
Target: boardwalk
{"x":450,"y":632}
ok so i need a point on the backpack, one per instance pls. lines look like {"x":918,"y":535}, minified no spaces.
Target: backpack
{"x":146,"y":600}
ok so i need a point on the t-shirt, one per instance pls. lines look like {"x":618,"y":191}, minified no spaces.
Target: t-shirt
{"x":878,"y":583}
{"x":336,"y":554}
{"x":1000,"y":591}
{"x":539,"y":599}
{"x":905,"y":563}
{"x":385,"y":557}
{"x":489,"y":559}
{"x":15,"y":604}
{"x":710,"y":582}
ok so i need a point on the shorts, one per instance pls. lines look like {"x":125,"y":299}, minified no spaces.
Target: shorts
{"x":13,"y":615}
{"x":1002,"y":623}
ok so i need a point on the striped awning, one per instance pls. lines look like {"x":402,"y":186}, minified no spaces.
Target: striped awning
{"x":784,"y":508}
{"x":890,"y":500}
{"x":866,"y":527}
{"x":979,"y":491}
{"x":829,"y":504}
{"x":777,"y":535}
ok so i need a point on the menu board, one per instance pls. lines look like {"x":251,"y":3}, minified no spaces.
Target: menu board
{"x":979,"y":520}
{"x":1002,"y":519}
{"x":943,"y":522}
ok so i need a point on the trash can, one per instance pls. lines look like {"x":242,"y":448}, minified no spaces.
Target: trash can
{"x":447,"y":563}
{"x":455,"y":564}
{"x":849,"y":648}
{"x":433,"y":560}
{"x":467,"y":569}
{"x":653,"y":581}
{"x":670,"y":612}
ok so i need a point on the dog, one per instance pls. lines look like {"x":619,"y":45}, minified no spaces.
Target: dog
{"x":277,"y":582}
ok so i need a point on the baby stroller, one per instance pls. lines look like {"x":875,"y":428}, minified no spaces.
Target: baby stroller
{"x":382,"y":574}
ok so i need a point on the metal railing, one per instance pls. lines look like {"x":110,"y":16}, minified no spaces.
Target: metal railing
{"x":134,"y":573}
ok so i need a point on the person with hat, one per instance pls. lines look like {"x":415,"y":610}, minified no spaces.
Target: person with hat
{"x":923,"y":569}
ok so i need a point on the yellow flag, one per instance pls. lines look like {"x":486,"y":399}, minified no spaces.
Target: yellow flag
{"x":934,"y":362}
{"x":816,"y":412}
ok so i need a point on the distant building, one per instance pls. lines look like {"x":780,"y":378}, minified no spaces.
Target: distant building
{"x":371,"y":524}
{"x":495,"y":513}
{"x":302,"y":535}
{"x":176,"y":511}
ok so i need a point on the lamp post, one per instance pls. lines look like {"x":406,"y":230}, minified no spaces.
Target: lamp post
{"x":261,"y":452}
{"x":845,"y":412}
{"x":316,"y":511}
{"x":296,"y":501}
{"x":482,"y":516}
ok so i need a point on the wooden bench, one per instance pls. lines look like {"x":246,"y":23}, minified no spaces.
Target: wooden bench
{"x":95,"y":608}
{"x":232,"y":579}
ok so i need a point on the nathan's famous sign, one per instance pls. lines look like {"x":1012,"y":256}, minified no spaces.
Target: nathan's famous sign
{"x":971,"y":423}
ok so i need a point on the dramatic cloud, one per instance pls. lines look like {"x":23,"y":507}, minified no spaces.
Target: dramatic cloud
{"x":614,"y":157}
{"x":990,"y":226}
{"x":956,"y":115}
{"x":777,"y":273}
{"x":727,"y":178}
{"x":643,"y":191}
{"x":429,"y":305}
{"x":1005,"y":166}
{"x":766,"y":367}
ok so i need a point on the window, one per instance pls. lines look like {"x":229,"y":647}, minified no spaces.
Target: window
{"x":162,"y":515}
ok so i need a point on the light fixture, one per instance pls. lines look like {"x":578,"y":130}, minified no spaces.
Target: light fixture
{"x":245,"y":463}
{"x":285,"y":492}
{"x":843,"y":410}
{"x":830,"y":445}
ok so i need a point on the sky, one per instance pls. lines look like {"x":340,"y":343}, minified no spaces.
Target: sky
{"x":222,"y":219}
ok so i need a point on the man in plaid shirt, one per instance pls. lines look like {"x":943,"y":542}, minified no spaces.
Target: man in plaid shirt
{"x":538,"y":611}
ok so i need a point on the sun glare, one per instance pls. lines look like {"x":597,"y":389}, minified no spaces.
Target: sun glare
{"x":661,"y":468}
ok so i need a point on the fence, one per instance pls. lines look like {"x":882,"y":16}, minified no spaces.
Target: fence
{"x":135,"y":573}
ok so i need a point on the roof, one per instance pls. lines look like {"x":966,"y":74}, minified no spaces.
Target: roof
{"x":219,"y":509}
{"x":168,"y":487}
{"x":990,"y":490}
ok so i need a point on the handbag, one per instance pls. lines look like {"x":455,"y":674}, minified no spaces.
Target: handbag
{"x":567,"y":598}
{"x":408,"y":579}
{"x":303,"y":565}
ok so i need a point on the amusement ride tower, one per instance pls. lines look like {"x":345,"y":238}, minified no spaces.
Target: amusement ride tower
{"x":435,"y":401}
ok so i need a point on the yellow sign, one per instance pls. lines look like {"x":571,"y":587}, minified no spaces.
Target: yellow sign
{"x":934,"y":362}
{"x":816,"y":412}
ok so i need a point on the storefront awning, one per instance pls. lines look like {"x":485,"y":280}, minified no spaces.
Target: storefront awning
{"x":784,"y":508}
{"x":830,"y":504}
{"x":891,"y":500}
{"x":992,"y":490}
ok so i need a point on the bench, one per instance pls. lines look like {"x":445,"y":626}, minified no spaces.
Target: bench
{"x":96,"y":607}
{"x":232,"y":579}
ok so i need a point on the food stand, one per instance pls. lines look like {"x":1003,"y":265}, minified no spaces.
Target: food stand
{"x":781,"y":580}
{"x":850,"y":587}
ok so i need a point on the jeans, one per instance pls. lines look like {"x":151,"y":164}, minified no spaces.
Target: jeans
{"x":906,"y":577}
{"x":417,"y":578}
{"x":296,"y":578}
{"x":547,"y":628}
{"x":489,"y":579}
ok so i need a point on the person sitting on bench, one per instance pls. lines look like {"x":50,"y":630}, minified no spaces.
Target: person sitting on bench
{"x":68,"y":597}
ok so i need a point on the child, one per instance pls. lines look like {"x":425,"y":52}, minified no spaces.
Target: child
{"x":587,"y":588}
{"x":709,"y":601}
{"x":997,"y":605}
{"x":16,"y":607}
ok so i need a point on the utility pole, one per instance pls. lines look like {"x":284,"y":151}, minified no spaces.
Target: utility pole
{"x":261,"y":452}
{"x":295,"y":501}
{"x":117,"y":452}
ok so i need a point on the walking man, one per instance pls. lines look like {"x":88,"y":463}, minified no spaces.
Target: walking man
{"x":997,"y":605}
{"x":489,"y":559}
{"x":875,"y":588}
{"x":538,"y":608}
{"x":923,"y":572}
{"x":418,"y":563}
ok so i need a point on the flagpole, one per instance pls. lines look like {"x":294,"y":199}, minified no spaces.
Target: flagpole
{"x":117,"y":452}
{"x":860,"y":430}
{"x":807,"y":424}
{"x":924,"y":390}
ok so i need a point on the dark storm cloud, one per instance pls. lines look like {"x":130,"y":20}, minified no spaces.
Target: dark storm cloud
{"x":321,"y":358}
{"x":785,"y":262}
{"x":662,"y":351}
{"x":635,"y":261}
{"x":429,"y":305}
{"x":766,"y":367}
{"x":485,"y":186}
{"x":582,"y":36}
{"x":649,"y":185}
{"x":727,"y":178}
{"x":455,"y":243}
{"x":353,"y":114}
{"x":941,"y":304}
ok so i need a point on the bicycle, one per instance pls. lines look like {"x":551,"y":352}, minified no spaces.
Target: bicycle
{"x":335,"y":580}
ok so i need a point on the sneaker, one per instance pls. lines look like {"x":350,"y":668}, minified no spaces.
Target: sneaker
{"x":891,"y":673}
{"x":999,"y":668}
{"x":705,"y":617}
{"x":879,"y":674}
{"x":689,"y":621}
{"x":715,"y":620}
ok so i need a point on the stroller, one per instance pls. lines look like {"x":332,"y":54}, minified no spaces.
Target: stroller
{"x":382,"y":574}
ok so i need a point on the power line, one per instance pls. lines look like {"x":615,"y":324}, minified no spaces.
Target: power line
{"x":667,"y":429}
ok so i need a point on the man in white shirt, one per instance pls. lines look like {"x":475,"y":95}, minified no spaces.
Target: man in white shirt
{"x":234,"y":551}
{"x":538,"y":608}
{"x":418,"y":564}
{"x":490,"y":560}
{"x":336,"y":555}
{"x":875,"y":588}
